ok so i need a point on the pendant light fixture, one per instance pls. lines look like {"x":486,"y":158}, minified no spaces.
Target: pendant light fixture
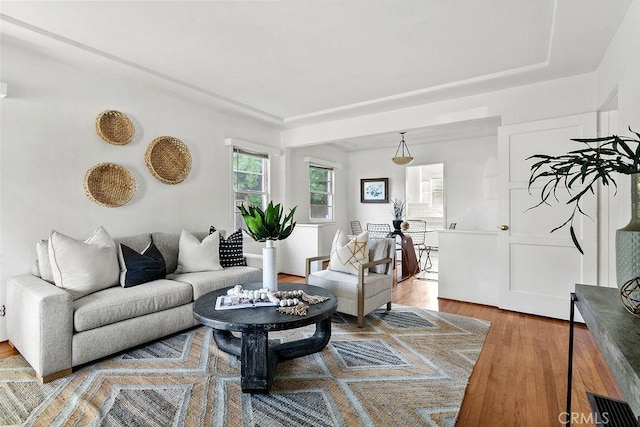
{"x":403,"y":159}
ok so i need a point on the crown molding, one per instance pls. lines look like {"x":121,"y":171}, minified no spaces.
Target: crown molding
{"x":65,"y":48}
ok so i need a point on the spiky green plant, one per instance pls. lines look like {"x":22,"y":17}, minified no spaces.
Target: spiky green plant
{"x":268,"y":224}
{"x":579,"y":171}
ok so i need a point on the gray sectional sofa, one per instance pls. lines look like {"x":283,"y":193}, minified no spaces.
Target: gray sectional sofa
{"x":55,"y":332}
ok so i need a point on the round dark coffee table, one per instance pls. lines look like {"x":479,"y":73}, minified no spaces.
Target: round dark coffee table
{"x":258,"y":359}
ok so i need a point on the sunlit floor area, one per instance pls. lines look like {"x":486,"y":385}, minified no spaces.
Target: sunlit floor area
{"x":428,"y":267}
{"x":520,"y":376}
{"x":420,"y":290}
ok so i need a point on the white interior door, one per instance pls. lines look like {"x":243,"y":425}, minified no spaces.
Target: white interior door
{"x":537,"y":269}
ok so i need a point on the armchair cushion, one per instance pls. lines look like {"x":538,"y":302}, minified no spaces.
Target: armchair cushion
{"x":346,"y":285}
{"x":378,"y":249}
{"x":347,"y":255}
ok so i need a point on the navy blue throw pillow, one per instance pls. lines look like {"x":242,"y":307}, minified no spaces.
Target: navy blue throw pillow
{"x":231,"y":252}
{"x":141,"y":268}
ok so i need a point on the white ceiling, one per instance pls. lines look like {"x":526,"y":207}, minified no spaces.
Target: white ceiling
{"x":295,"y":61}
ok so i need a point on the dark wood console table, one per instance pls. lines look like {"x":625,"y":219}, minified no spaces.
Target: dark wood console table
{"x":410,"y":264}
{"x":617,"y":334}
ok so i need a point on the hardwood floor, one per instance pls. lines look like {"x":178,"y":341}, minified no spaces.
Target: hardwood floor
{"x":6,"y":350}
{"x":520,"y":376}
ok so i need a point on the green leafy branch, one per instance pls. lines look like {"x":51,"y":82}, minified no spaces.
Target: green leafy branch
{"x":579,"y":171}
{"x":268,"y":224}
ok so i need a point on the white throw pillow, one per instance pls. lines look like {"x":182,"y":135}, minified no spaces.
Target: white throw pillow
{"x":194,"y":255}
{"x":377,"y":251}
{"x":347,"y":255}
{"x":85,"y":267}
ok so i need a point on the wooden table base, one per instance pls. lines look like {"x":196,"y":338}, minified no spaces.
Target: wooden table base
{"x":258,"y":359}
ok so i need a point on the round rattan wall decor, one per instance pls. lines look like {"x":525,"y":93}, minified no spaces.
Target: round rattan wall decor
{"x":109,"y":184}
{"x":168,"y":159}
{"x":115,"y":127}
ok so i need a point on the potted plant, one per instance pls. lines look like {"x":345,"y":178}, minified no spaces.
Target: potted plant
{"x":268,"y":226}
{"x":579,"y":172}
{"x":398,"y":213}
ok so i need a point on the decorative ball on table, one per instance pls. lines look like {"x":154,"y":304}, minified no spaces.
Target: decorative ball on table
{"x":630,"y":296}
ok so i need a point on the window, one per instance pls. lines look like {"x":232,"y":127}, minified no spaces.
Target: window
{"x":321,"y":193}
{"x":432,"y":194}
{"x":250,"y":181}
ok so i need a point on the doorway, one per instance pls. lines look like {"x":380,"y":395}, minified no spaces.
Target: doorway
{"x":425,"y":191}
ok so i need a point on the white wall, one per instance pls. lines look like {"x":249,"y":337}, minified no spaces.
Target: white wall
{"x":620,"y":68}
{"x":471,"y":196}
{"x":49,"y":141}
{"x":619,"y":71}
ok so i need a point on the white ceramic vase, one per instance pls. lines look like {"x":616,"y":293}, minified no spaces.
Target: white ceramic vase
{"x":269,"y":270}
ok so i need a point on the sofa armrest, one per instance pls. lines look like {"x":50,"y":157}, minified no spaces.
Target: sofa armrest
{"x":40,"y":323}
{"x":308,"y":262}
{"x":253,"y":260}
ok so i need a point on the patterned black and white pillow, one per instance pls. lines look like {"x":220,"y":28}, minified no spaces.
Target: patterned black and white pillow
{"x":136,"y":268}
{"x":231,"y":251}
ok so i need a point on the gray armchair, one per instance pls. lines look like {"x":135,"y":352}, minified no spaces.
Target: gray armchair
{"x":359,"y":295}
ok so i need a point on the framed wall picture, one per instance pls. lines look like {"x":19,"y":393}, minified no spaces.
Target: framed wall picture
{"x":374,"y":190}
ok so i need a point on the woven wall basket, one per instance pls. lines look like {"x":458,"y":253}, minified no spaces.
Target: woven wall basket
{"x":109,"y":184}
{"x":115,"y":127}
{"x":168,"y":159}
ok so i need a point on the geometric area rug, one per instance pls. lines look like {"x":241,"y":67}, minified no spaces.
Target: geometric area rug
{"x":406,"y":367}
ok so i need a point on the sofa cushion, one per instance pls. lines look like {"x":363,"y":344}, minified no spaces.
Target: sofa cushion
{"x":195,"y":255}
{"x":116,"y":304}
{"x":168,"y":244}
{"x":137,"y":242}
{"x":206,"y":281}
{"x":83,"y":267}
{"x":231,"y":251}
{"x":137,"y":268}
{"x":43,"y":261}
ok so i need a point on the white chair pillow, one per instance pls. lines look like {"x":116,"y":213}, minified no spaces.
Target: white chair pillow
{"x":194,"y":256}
{"x":347,"y":255}
{"x":378,"y":249}
{"x":84,"y":267}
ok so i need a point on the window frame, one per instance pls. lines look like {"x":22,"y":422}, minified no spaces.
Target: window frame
{"x":266,"y":178}
{"x":330,"y":193}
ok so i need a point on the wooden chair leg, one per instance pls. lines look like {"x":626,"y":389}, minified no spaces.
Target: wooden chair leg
{"x":360,"y":321}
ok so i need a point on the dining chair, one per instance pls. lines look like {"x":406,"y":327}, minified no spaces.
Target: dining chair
{"x":356,"y":228}
{"x":418,"y":231}
{"x":378,"y":231}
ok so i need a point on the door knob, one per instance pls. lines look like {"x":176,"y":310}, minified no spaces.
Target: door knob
{"x":504,"y":227}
